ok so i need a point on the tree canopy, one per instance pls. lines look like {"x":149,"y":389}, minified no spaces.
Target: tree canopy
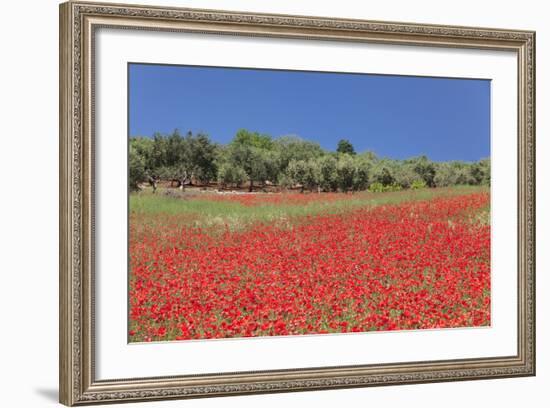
{"x":344,"y":146}
{"x":255,"y":160}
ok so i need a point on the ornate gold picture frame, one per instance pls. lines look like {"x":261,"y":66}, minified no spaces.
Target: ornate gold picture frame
{"x":79,"y":22}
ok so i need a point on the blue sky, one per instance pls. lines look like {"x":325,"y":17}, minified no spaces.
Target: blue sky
{"x":394,"y":116}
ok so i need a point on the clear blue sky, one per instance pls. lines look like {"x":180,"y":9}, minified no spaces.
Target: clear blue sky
{"x":394,"y":116}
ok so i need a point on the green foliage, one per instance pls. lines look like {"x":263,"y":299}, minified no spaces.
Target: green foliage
{"x":230,"y":174}
{"x":393,"y":187}
{"x":404,"y":174}
{"x":346,"y":172}
{"x":445,"y":175}
{"x":259,"y":164}
{"x":136,"y":168}
{"x":462,"y":173}
{"x":361,"y":174}
{"x":344,"y":146}
{"x":380,"y":188}
{"x":177,"y":157}
{"x":253,"y":139}
{"x":424,"y":168}
{"x":202,"y":155}
{"x":285,"y":181}
{"x":305,"y":174}
{"x":288,"y":148}
{"x":327,"y":171}
{"x":266,"y":160}
{"x":481,"y":172}
{"x":143,"y":146}
{"x":382,"y":173}
{"x":418,"y":184}
{"x":291,"y":162}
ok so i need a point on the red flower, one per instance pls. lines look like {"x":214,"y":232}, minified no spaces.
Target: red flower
{"x":421,"y":264}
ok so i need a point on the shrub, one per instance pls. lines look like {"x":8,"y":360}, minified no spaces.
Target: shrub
{"x":393,"y":187}
{"x":418,"y":184}
{"x":380,"y":188}
{"x":376,"y":187}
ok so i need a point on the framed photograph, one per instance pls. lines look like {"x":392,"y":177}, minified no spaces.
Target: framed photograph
{"x":256,"y":203}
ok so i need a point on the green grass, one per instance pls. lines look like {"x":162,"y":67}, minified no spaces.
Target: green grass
{"x":205,"y":212}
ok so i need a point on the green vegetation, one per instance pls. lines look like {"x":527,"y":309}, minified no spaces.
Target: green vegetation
{"x":254,"y":160}
{"x":344,"y":146}
{"x":378,"y":187}
{"x":202,"y":210}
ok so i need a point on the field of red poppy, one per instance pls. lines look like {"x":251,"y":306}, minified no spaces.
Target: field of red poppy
{"x":217,"y":266}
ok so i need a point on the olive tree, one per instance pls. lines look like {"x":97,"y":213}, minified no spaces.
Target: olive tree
{"x":231,"y":174}
{"x":136,"y":168}
{"x":345,"y":172}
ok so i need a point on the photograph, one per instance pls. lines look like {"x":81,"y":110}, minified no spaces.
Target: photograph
{"x":267,"y":202}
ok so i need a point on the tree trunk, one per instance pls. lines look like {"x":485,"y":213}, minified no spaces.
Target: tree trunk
{"x":153,"y":183}
{"x":251,"y":186}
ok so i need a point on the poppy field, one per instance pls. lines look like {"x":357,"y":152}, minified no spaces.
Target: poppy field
{"x":205,"y":266}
